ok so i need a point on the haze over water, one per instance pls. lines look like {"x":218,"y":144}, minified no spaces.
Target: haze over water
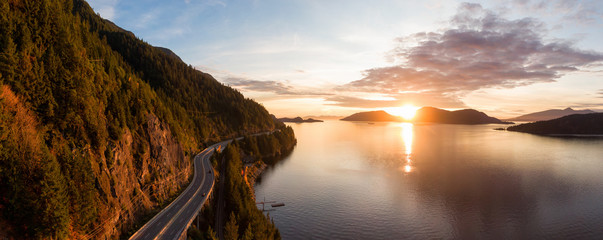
{"x":348,"y":180}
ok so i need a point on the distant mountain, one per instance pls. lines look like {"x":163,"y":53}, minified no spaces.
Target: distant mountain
{"x":373,"y":116}
{"x":299,"y":120}
{"x":549,"y":114}
{"x":429,"y":115}
{"x":465,"y":116}
{"x":588,"y":124}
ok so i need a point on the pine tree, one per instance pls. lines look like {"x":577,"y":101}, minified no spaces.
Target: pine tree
{"x":231,"y":230}
{"x":248,"y":235}
{"x":210,"y":234}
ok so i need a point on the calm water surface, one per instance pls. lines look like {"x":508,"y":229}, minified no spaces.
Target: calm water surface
{"x":347,"y":180}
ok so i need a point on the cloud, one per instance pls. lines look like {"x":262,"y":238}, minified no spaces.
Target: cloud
{"x":479,"y":50}
{"x":581,"y":11}
{"x":600,"y":93}
{"x":424,"y":99}
{"x":346,"y":101}
{"x":268,"y":86}
{"x":105,"y":8}
{"x":209,"y":3}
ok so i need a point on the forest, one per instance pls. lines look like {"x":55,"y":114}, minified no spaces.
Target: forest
{"x":94,"y":121}
{"x":245,"y":220}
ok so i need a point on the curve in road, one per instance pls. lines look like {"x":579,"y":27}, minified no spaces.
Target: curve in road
{"x":176,"y":217}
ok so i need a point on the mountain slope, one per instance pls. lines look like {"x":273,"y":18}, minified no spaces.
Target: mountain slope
{"x":111,"y":122}
{"x":549,"y":114}
{"x":582,"y":124}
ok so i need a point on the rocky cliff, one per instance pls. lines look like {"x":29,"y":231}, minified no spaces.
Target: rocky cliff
{"x":132,"y":185}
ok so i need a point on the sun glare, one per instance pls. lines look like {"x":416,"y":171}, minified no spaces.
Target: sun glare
{"x":407,"y":111}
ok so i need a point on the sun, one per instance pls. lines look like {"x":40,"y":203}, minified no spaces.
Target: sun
{"x":407,"y":111}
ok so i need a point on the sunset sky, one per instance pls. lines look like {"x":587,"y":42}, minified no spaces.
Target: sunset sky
{"x":306,"y":57}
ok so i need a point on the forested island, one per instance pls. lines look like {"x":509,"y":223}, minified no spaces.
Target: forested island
{"x":429,"y":115}
{"x":577,"y":124}
{"x":299,"y":120}
{"x":97,"y":127}
{"x":464,"y":116}
{"x":373,"y":116}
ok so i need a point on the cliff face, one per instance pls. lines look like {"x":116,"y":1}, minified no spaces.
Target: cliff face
{"x":132,"y":185}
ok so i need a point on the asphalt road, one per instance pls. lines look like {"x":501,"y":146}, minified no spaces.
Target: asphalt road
{"x":172,"y":220}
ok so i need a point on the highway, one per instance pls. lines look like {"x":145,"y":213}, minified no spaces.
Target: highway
{"x":176,"y":217}
{"x":173,"y":220}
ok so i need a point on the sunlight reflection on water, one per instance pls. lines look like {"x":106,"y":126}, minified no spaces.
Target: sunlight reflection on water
{"x":407,"y":133}
{"x":348,"y":180}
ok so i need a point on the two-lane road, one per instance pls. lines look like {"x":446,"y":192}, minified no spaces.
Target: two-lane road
{"x":173,"y":220}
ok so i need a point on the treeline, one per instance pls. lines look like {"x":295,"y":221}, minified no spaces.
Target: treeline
{"x":268,"y":147}
{"x":80,"y":84}
{"x":244,"y":216}
{"x":244,"y":220}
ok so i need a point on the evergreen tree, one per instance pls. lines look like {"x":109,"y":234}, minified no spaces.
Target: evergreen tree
{"x":248,"y":235}
{"x":210,"y":234}
{"x":231,"y":230}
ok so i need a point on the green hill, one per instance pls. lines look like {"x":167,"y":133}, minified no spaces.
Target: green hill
{"x":98,"y":128}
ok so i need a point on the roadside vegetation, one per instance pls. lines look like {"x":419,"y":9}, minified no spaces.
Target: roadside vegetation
{"x":243,"y":218}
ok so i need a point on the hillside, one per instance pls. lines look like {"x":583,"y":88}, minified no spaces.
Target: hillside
{"x":98,"y":128}
{"x":465,"y":116}
{"x":374,"y":116}
{"x":549,"y":114}
{"x":577,"y":124}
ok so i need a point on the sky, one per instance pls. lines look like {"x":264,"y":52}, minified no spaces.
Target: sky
{"x":338,"y":57}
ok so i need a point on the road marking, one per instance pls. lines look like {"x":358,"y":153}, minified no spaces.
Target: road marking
{"x":198,"y":183}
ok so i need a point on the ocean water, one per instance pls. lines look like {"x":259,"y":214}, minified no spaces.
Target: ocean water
{"x":355,"y":180}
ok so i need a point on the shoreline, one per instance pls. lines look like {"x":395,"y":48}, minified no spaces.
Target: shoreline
{"x":253,"y":175}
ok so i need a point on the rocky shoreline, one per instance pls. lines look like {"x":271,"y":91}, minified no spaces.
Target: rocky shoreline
{"x":252,"y":173}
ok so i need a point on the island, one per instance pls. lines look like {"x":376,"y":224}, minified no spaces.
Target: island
{"x":373,"y":116}
{"x":465,"y":116}
{"x":299,"y":120}
{"x":549,"y":114}
{"x":576,"y":124}
{"x":429,"y":115}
